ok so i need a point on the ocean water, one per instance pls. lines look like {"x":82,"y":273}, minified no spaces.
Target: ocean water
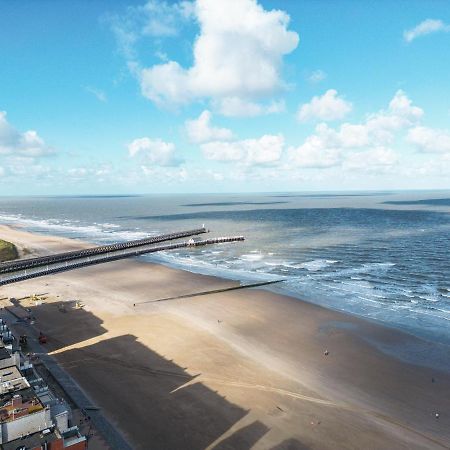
{"x":384,"y":256}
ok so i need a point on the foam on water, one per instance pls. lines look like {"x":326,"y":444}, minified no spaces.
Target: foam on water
{"x":253,"y":257}
{"x":72,"y":228}
{"x":384,"y":264}
{"x":317,"y":264}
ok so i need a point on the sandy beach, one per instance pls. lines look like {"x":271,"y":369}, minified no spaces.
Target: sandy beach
{"x":234,"y":370}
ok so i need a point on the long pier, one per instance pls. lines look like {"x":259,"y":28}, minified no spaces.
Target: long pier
{"x":90,"y":259}
{"x":29,"y":263}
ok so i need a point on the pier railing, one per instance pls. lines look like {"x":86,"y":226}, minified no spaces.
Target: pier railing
{"x":29,"y":263}
{"x":89,"y":260}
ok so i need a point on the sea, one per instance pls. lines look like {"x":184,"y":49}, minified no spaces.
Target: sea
{"x":384,"y":256}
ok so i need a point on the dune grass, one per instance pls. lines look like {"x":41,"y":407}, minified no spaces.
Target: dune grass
{"x":8,"y":251}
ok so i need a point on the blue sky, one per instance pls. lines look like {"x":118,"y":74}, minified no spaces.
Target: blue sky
{"x":223,"y":96}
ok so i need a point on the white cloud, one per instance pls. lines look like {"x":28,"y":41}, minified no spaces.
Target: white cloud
{"x":156,"y":19}
{"x":237,"y":107}
{"x":317,"y":76}
{"x":2,"y":171}
{"x":223,"y":151}
{"x":21,"y":166}
{"x":431,"y":168}
{"x":77,"y":172}
{"x":400,"y":115}
{"x":125,"y":35}
{"x":200,"y":130}
{"x":428,"y":26}
{"x":314,"y":154}
{"x":429,"y":139}
{"x":238,"y":54}
{"x":265,"y":150}
{"x":380,"y":128}
{"x":161,"y":18}
{"x":97,"y":93}
{"x":349,"y":135}
{"x":13,"y":142}
{"x":375,"y":159}
{"x":353,"y":145}
{"x":175,"y":175}
{"x":154,"y":151}
{"x":327,"y":107}
{"x":401,"y":106}
{"x":165,"y":175}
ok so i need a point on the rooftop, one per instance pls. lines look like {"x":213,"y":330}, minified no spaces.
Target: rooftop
{"x":72,"y":436}
{"x":12,"y":380}
{"x":9,"y":373}
{"x":31,"y":441}
{"x":18,"y":404}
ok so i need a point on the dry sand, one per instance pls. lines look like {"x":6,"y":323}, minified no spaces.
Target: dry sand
{"x":236,"y":370}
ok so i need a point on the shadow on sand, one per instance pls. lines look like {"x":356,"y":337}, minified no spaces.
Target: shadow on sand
{"x":155,"y":402}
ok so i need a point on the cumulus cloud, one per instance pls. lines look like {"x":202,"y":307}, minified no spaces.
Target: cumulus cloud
{"x":237,"y":107}
{"x":380,"y":128}
{"x":238,"y":54}
{"x":429,"y":139}
{"x":356,"y":144}
{"x":401,"y":106}
{"x":219,"y":144}
{"x":224,"y":151}
{"x":375,"y":159}
{"x":154,"y":151}
{"x":328,"y":107}
{"x":428,"y":26}
{"x":13,"y":142}
{"x":265,"y":150}
{"x":314,"y":154}
{"x":200,"y":130}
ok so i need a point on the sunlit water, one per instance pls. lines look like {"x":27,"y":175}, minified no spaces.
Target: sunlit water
{"x":383,"y":256}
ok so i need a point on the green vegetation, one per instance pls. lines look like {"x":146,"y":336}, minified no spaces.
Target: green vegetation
{"x":8,"y":251}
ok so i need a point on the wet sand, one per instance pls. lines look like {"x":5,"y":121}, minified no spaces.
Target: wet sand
{"x":234,"y":370}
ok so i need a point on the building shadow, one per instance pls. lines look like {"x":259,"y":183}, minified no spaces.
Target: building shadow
{"x":243,"y":438}
{"x":152,"y":400}
{"x":64,"y":323}
{"x":291,"y":444}
{"x":157,"y":403}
